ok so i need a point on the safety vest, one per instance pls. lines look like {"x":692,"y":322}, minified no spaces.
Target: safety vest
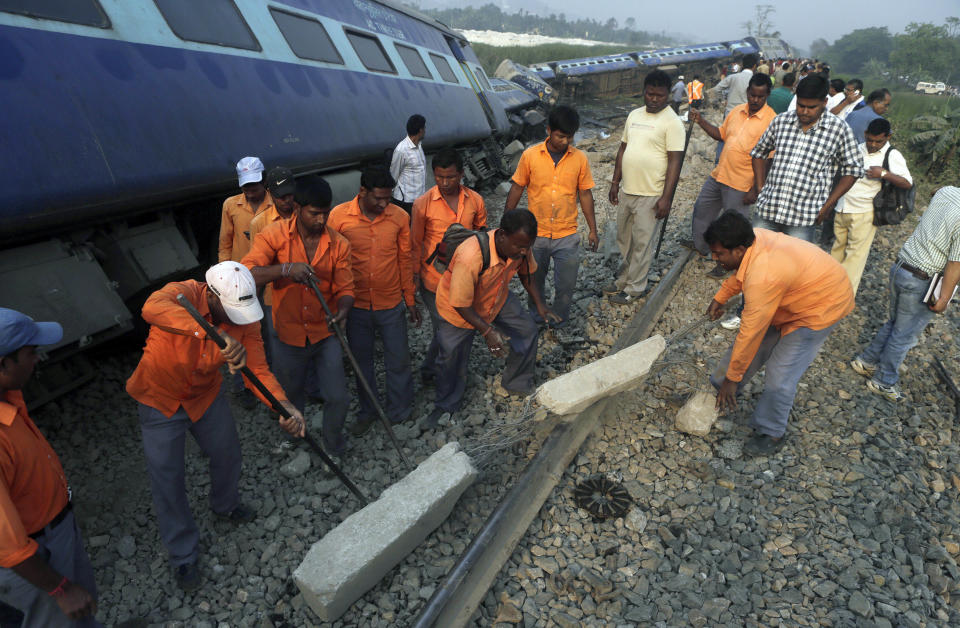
{"x":694,"y":91}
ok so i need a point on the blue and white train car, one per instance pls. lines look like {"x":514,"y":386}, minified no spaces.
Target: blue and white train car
{"x":120,"y":116}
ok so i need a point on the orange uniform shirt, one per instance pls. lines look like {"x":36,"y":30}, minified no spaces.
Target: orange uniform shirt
{"x":235,"y":220}
{"x":298,"y":316}
{"x":431,"y":217}
{"x":380,"y":254}
{"x":740,"y":132}
{"x":33,"y":487}
{"x":180,"y":365}
{"x":788,"y":283}
{"x":260,"y":222}
{"x":463,"y":285}
{"x":552,"y":189}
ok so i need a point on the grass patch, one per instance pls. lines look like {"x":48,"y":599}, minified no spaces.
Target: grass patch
{"x":491,"y":56}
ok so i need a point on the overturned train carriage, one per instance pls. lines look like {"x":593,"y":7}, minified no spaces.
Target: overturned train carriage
{"x":621,"y":74}
{"x":123,"y":120}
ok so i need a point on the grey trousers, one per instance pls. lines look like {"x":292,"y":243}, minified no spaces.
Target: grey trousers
{"x":429,"y":366}
{"x":163,"y":446}
{"x":294,"y":366}
{"x":714,"y":198}
{"x":455,"y":343}
{"x":62,"y":548}
{"x":787,"y":358}
{"x":637,"y":232}
{"x":565,"y":253}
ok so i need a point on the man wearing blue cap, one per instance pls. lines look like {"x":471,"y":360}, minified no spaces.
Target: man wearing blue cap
{"x":44,"y":571}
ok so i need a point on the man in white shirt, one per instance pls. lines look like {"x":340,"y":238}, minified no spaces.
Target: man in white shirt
{"x":408,"y":166}
{"x":853,"y":225}
{"x":852,"y":97}
{"x":735,"y":85}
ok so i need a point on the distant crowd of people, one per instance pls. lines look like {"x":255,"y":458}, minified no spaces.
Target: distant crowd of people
{"x":795,"y":150}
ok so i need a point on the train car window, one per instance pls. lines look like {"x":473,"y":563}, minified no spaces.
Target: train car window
{"x":215,"y":22}
{"x":444,"y":68}
{"x":482,"y":76}
{"x":371,"y":52}
{"x":414,"y":62}
{"x":86,"y":12}
{"x":307,"y":38}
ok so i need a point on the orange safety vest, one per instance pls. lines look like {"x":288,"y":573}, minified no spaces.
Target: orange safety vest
{"x":694,"y":91}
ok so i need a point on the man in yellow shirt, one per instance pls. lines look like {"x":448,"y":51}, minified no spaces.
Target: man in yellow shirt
{"x":648,"y":163}
{"x":794,"y":294}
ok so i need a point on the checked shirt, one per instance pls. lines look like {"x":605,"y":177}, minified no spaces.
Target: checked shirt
{"x":803,"y":166}
{"x":936,"y":240}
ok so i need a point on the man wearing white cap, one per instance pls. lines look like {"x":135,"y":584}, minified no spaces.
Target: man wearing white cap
{"x":44,"y":571}
{"x":178,"y":387}
{"x":677,"y":94}
{"x":239,"y":210}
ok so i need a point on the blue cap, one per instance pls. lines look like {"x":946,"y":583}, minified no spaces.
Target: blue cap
{"x":19,"y":330}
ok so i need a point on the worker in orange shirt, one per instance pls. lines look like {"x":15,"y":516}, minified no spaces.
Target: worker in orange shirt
{"x":281,"y":186}
{"x":45,"y":573}
{"x":286,"y":254}
{"x":556,"y":175}
{"x":471,"y":301}
{"x":445,"y":203}
{"x":695,"y":92}
{"x":794,"y":294}
{"x":177,"y":385}
{"x":240,"y":209}
{"x":379,"y":236}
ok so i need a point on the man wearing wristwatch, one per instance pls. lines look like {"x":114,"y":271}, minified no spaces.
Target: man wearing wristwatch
{"x":45,"y":572}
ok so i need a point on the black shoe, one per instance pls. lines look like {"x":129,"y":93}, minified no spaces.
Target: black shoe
{"x":361,"y":426}
{"x":241,"y":514}
{"x":427,"y":378}
{"x":763,"y":444}
{"x":187,"y":576}
{"x":687,"y":243}
{"x":433,"y":419}
{"x":718,"y":272}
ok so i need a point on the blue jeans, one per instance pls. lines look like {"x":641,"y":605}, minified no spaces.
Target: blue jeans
{"x":163,"y":446}
{"x":908,"y":318}
{"x":293,"y":366}
{"x":714,"y":198}
{"x":565,"y":253}
{"x":362,"y":329}
{"x":787,"y":358}
{"x":456,"y":342}
{"x":808,"y":233}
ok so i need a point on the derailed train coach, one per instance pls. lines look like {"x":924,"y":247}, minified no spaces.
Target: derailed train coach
{"x":621,"y":74}
{"x":123,"y":120}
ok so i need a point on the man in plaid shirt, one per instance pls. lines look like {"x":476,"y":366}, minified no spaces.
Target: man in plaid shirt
{"x":811,"y":145}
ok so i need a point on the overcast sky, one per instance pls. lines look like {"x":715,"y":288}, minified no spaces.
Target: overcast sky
{"x":800,"y":22}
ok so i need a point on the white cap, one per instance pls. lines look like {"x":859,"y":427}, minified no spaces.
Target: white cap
{"x":249,"y":170}
{"x":680,"y":77}
{"x":234,"y":284}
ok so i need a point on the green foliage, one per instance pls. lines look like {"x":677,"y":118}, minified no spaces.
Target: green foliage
{"x":491,"y":56}
{"x":937,"y":139}
{"x":926,"y":52}
{"x":851,"y":52}
{"x":491,"y":17}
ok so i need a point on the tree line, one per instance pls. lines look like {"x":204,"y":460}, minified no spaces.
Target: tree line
{"x":923,"y":51}
{"x":491,"y":17}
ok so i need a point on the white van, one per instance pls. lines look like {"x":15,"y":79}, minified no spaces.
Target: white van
{"x":930,"y":88}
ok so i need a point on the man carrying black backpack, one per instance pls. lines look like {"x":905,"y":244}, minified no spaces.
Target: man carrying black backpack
{"x":474,"y":296}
